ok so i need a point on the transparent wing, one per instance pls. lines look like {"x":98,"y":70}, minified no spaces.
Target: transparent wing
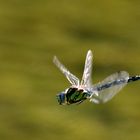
{"x":72,"y":78}
{"x":86,"y":79}
{"x":109,"y":87}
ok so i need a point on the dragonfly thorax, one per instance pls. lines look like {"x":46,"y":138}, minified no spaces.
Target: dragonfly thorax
{"x":73,"y":95}
{"x":76,"y":95}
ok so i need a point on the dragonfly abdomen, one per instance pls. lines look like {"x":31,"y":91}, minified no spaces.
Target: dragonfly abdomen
{"x":133,"y":78}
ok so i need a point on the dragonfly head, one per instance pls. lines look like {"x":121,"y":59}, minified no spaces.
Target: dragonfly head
{"x":61,"y":98}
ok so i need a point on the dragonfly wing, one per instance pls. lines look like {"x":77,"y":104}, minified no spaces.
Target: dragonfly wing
{"x":86,"y":79}
{"x":109,"y":87}
{"x":72,"y":78}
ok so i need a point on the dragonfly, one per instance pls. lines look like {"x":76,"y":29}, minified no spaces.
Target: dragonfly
{"x":101,"y":92}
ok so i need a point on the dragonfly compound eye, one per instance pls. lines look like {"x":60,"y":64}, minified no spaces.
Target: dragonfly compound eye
{"x":61,"y":98}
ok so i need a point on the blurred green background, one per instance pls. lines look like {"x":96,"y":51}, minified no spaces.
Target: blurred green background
{"x":32,"y":32}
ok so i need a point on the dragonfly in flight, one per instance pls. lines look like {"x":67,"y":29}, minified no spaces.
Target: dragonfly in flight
{"x":101,"y":92}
